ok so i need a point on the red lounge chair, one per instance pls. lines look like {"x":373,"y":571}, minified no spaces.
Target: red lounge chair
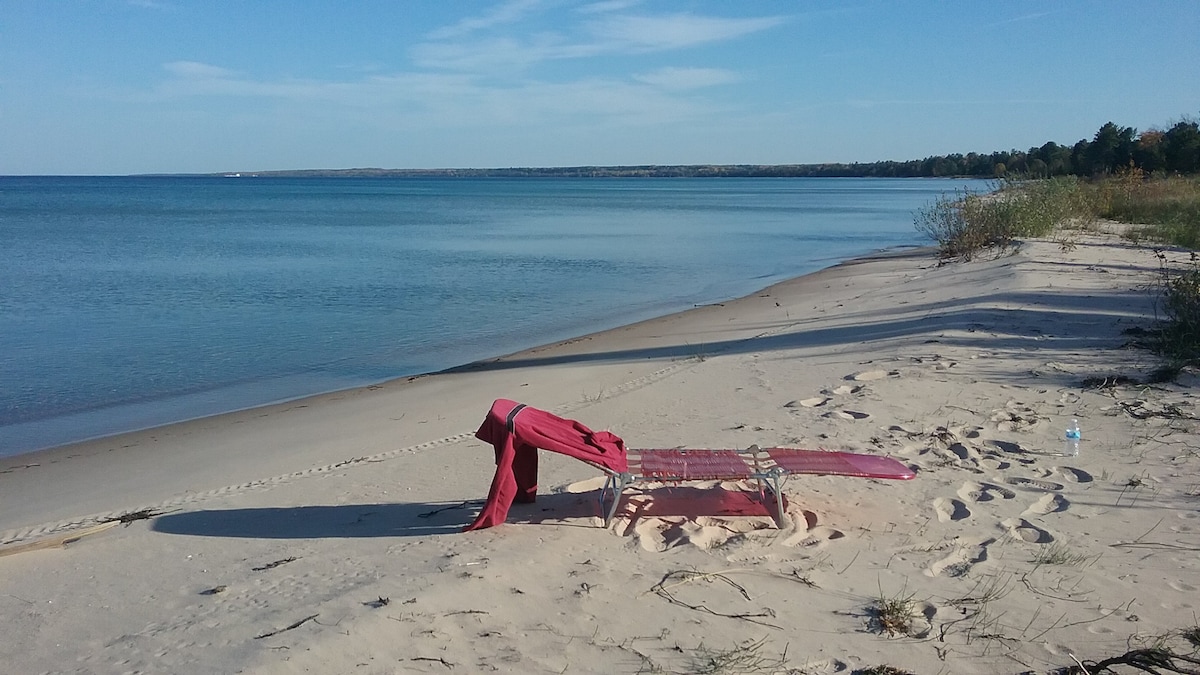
{"x":516,"y":431}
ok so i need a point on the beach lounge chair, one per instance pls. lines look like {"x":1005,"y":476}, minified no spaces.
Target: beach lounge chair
{"x":516,"y":431}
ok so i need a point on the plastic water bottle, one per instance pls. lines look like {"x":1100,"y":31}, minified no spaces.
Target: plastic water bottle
{"x":1072,"y":444}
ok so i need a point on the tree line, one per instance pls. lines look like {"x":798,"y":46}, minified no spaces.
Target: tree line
{"x":1112,"y":149}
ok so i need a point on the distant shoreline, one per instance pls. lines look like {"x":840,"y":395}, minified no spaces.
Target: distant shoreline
{"x":868,"y":170}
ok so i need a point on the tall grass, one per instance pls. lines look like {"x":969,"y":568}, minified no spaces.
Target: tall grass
{"x":967,"y":223}
{"x":1179,"y":336}
{"x":1166,"y":209}
{"x":1163,"y":210}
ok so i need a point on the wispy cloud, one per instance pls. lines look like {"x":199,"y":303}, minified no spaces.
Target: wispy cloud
{"x":453,"y":100}
{"x":615,"y":33}
{"x":498,"y":54}
{"x":686,"y":78}
{"x":607,"y":6}
{"x":197,"y":70}
{"x":678,"y":30}
{"x":1022,"y":18}
{"x":481,"y":72}
{"x":194,"y":79}
{"x":506,"y":13}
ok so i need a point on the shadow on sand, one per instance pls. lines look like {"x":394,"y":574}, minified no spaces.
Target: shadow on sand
{"x":440,"y":518}
{"x":364,"y":520}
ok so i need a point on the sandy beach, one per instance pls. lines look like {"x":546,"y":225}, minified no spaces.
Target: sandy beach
{"x":324,"y":535}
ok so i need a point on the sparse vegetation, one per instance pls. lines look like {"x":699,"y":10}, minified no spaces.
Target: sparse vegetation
{"x":881,"y":670}
{"x":894,"y":615}
{"x":1060,"y":554}
{"x":968,"y":223}
{"x":1179,"y":336}
{"x":744,"y":658}
{"x":1167,"y":210}
{"x":1162,"y":211}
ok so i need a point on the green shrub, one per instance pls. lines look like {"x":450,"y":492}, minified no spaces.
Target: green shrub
{"x":1181,"y":304}
{"x":967,"y":223}
{"x":964,"y":224}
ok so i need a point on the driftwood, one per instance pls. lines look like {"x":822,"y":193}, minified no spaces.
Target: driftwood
{"x":299,"y":623}
{"x":1153,"y":660}
{"x":273,"y":565}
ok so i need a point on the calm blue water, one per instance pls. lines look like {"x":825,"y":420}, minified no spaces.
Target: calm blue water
{"x":132,"y":302}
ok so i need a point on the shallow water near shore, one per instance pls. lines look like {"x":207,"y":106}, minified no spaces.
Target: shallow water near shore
{"x":133,"y":302}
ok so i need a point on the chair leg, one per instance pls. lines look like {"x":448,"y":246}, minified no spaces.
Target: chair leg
{"x":619,"y":483}
{"x":775,"y":480}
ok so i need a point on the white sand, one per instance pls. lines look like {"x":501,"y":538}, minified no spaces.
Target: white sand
{"x":969,"y":373}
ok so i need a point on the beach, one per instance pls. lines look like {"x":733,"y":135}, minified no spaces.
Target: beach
{"x":324,"y":534}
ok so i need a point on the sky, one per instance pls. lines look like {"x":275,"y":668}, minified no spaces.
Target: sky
{"x":98,"y":87}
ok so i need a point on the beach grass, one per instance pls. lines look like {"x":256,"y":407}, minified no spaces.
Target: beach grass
{"x":1162,"y":211}
{"x":894,"y":615}
{"x":967,"y":223}
{"x":1165,"y":210}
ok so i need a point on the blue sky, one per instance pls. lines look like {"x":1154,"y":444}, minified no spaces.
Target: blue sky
{"x":142,"y":86}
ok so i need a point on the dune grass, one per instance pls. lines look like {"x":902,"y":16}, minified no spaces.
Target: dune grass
{"x":966,"y":223}
{"x":1164,"y":211}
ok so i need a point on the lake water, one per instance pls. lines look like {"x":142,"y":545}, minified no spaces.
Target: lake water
{"x":127,"y":303}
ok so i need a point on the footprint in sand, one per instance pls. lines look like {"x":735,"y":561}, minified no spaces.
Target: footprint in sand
{"x":1007,"y":446}
{"x":983,"y":492}
{"x":815,"y":536}
{"x":847,"y":415}
{"x":810,"y":519}
{"x":815,"y":402}
{"x":826,"y":666}
{"x":922,"y":620}
{"x":914,"y":450}
{"x":963,"y":452}
{"x":994,"y":464}
{"x":1181,"y":586}
{"x":950,"y":509}
{"x":961,"y":560}
{"x":1051,"y":503}
{"x":650,"y":535}
{"x":845,"y":390}
{"x":1033,"y":483}
{"x":1019,"y":528}
{"x":1015,"y":416}
{"x":959,"y":458}
{"x":658,"y":535}
{"x":872,"y":375}
{"x":1074,"y":475}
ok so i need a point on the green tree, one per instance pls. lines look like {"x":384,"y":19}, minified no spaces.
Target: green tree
{"x":1111,"y":149}
{"x":1148,"y":152}
{"x":1181,"y":147}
